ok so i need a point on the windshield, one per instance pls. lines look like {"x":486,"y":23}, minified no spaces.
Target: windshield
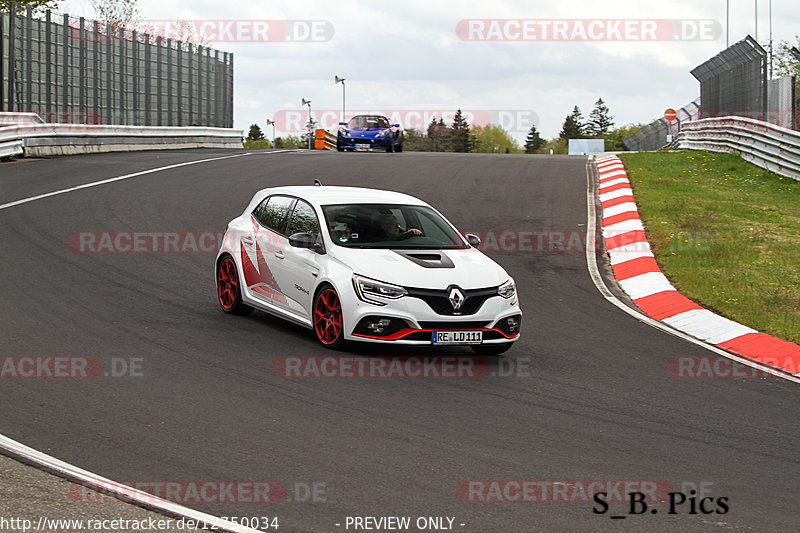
{"x":390,"y":226}
{"x":368,"y":122}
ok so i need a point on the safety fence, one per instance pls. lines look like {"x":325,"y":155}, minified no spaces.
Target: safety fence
{"x":73,"y":70}
{"x":656,"y":135}
{"x":771,"y":147}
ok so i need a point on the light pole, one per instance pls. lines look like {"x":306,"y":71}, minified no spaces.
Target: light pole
{"x":310,"y":124}
{"x":727,"y":22}
{"x":756,"y":21}
{"x":337,"y":79}
{"x":272,"y":123}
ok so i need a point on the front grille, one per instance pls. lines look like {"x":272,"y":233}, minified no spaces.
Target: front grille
{"x":439,"y":301}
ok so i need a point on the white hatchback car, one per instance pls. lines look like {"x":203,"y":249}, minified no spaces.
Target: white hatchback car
{"x":365,"y":265}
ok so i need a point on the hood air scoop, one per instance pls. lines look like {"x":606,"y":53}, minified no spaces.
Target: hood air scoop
{"x":427,"y":259}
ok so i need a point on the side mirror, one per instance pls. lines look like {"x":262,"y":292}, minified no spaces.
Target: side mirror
{"x":473,"y":239}
{"x":305,"y":240}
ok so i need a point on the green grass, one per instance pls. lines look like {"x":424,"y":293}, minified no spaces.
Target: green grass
{"x":725,"y":232}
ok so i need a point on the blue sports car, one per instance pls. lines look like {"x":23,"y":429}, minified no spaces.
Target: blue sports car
{"x":369,"y":132}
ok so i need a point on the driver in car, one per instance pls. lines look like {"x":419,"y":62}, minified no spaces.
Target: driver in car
{"x":391,"y":228}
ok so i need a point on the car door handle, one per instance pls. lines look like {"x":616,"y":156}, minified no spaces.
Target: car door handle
{"x":247,"y":240}
{"x":279,"y":254}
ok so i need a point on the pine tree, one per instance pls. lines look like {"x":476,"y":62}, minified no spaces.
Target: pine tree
{"x":600,"y":121}
{"x":573,"y":127}
{"x":533,"y":142}
{"x":439,"y":135}
{"x":255,"y":133}
{"x":462,"y":140}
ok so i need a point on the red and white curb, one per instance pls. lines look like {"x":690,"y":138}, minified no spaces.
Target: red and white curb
{"x":638,"y":274}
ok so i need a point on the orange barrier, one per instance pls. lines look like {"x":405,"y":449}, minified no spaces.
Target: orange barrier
{"x":324,"y":140}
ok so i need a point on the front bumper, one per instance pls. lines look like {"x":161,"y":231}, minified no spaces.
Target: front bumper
{"x":412,"y":321}
{"x":363,"y":143}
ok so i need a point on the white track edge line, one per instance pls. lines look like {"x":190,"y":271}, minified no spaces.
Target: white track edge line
{"x":125,"y":493}
{"x":72,"y":472}
{"x":126,"y":176}
{"x":597,"y":278}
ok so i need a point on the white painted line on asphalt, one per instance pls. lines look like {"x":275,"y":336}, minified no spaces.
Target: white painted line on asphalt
{"x":599,"y":282}
{"x":125,"y":177}
{"x":90,"y":479}
{"x":123,"y":492}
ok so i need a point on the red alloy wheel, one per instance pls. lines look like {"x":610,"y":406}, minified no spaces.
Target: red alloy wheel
{"x":328,"y":318}
{"x":227,"y":283}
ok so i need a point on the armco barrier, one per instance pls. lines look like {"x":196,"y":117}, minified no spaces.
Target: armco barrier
{"x":324,"y":140}
{"x":10,"y":148}
{"x":65,"y":139}
{"x":763,"y":144}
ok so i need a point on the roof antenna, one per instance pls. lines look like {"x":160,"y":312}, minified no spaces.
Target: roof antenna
{"x":317,"y":183}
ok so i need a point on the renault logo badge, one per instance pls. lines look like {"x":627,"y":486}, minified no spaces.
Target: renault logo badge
{"x":456,"y":298}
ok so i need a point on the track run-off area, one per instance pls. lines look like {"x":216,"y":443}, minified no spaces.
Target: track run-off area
{"x":139,"y":376}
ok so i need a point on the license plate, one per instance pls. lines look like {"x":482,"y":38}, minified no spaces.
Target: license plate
{"x":362,"y":147}
{"x":457,"y":337}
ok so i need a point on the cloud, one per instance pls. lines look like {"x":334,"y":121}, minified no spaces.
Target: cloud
{"x":408,"y":56}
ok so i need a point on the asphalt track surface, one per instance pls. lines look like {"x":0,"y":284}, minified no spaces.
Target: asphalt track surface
{"x":584,"y":395}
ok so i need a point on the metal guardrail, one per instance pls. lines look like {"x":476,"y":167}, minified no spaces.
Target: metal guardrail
{"x":10,"y":148}
{"x":766,"y":145}
{"x":64,"y":139}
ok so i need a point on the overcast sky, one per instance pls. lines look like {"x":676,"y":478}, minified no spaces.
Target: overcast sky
{"x":406,"y":58}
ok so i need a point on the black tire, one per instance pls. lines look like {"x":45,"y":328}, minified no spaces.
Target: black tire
{"x":339,"y":149}
{"x":398,"y":148}
{"x":491,"y":349}
{"x":327,"y":318}
{"x":229,"y":292}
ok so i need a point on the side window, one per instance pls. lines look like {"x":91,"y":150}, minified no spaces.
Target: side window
{"x":271,"y":213}
{"x":303,"y":220}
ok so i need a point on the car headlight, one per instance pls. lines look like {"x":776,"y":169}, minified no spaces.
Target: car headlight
{"x":507,"y":290}
{"x":384,"y":133}
{"x":372,"y":291}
